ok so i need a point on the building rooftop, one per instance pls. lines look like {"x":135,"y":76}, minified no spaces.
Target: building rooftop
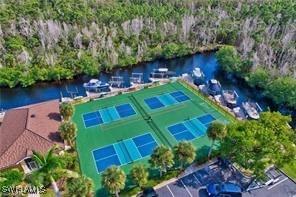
{"x":32,"y":127}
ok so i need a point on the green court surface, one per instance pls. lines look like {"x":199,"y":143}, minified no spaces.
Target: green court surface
{"x":145,"y":120}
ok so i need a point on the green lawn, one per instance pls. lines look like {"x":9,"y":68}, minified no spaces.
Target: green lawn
{"x":290,"y":170}
{"x":95,"y":137}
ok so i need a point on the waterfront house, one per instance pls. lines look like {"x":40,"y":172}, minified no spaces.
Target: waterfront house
{"x":32,"y":127}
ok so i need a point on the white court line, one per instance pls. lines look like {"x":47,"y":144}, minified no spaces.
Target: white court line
{"x":106,"y":157}
{"x":170,"y":190}
{"x":145,"y":144}
{"x":196,"y":179}
{"x":277,"y":183}
{"x":186,"y":188}
{"x":186,"y":130}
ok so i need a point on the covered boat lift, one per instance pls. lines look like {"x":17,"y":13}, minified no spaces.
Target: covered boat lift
{"x":116,"y":81}
{"x":137,"y":78}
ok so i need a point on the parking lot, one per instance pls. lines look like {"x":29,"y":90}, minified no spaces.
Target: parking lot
{"x":194,"y":184}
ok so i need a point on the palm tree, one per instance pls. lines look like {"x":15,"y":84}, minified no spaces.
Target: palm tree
{"x":80,"y":186}
{"x":139,"y":175}
{"x":113,"y":179}
{"x":49,"y":166}
{"x":68,"y":131}
{"x":66,"y":110}
{"x":162,"y":158}
{"x":184,"y":153}
{"x":216,"y":130}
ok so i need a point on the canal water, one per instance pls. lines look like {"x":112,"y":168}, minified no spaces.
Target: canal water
{"x":16,"y":97}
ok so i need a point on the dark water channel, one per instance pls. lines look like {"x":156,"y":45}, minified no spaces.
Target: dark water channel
{"x":16,"y":97}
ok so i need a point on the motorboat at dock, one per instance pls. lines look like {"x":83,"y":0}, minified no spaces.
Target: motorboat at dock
{"x":252,"y":109}
{"x":214,"y":87}
{"x":198,"y":76}
{"x":96,"y":85}
{"x":230,"y":97}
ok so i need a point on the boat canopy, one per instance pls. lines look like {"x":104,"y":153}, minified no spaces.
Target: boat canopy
{"x":197,"y":72}
{"x":136,"y":78}
{"x":161,"y":69}
{"x":214,"y":81}
{"x":93,"y":81}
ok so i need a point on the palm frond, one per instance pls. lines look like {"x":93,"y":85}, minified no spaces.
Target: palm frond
{"x":38,"y":158}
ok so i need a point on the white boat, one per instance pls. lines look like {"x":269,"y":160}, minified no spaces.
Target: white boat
{"x":97,"y":85}
{"x":161,"y":73}
{"x":230,"y":97}
{"x":198,"y":76}
{"x":252,"y":110}
{"x":214,"y":87}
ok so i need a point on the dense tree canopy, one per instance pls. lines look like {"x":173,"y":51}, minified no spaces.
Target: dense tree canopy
{"x":280,"y":89}
{"x":54,"y":40}
{"x":259,"y":78}
{"x":257,"y":144}
{"x":229,"y":59}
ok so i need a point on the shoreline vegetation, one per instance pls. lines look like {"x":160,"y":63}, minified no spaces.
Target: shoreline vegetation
{"x":52,"y":75}
{"x":48,"y":41}
{"x":280,"y":89}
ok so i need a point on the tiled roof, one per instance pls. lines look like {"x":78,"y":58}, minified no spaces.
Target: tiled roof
{"x":13,"y":125}
{"x":33,"y":127}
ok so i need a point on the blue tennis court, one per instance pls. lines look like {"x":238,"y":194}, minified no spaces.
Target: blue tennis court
{"x":180,"y":132}
{"x":92,"y":119}
{"x":165,"y":100}
{"x":105,"y":157}
{"x":145,"y":144}
{"x":124,"y":151}
{"x":125,"y":110}
{"x":206,"y":119}
{"x":188,"y":130}
{"x":108,"y":115}
{"x":179,"y":96}
{"x":154,"y":103}
{"x":196,"y":127}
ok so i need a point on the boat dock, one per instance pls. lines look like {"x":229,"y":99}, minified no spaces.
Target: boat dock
{"x":227,"y":99}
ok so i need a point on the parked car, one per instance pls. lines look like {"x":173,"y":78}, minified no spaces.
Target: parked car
{"x":224,"y":189}
{"x":149,"y":192}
